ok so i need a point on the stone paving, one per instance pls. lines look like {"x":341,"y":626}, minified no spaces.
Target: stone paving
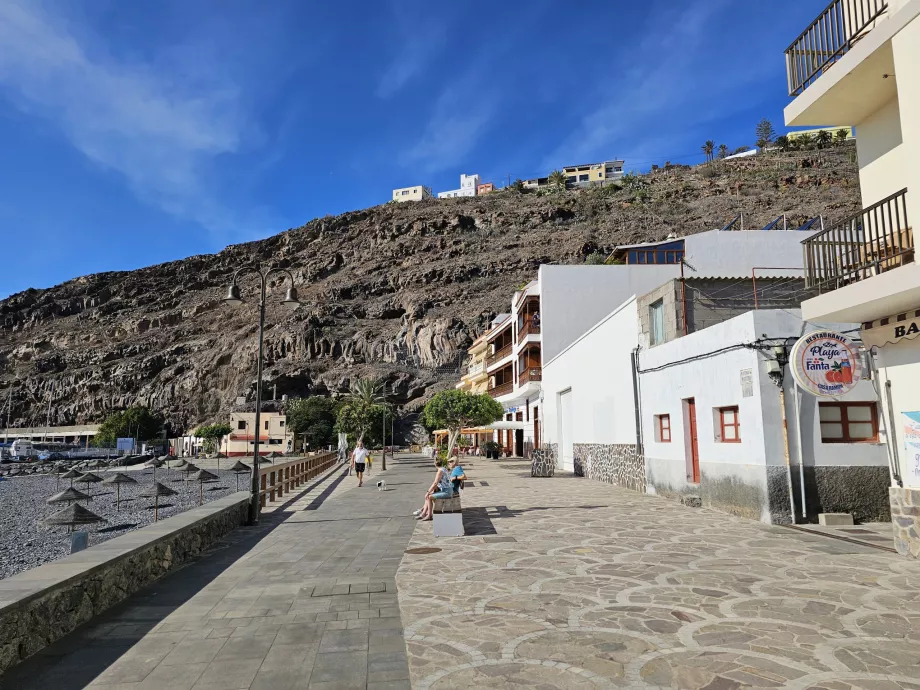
{"x":305,"y":600}
{"x":568,"y":583}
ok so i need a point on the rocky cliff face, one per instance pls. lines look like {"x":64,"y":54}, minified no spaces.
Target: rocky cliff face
{"x":394,"y":291}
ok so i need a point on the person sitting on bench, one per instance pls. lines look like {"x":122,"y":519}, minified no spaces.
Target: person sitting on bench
{"x":441,"y":487}
{"x":457,"y":475}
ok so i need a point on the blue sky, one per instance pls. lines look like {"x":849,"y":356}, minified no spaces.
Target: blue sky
{"x":138,"y":132}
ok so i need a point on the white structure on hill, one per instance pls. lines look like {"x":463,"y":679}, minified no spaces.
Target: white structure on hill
{"x":468,"y":186}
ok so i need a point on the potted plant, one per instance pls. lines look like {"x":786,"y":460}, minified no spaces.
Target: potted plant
{"x":491,"y":448}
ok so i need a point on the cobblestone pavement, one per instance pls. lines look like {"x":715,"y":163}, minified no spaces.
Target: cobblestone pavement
{"x":568,"y":583}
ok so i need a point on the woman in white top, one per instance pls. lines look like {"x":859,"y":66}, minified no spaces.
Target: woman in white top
{"x":358,"y":460}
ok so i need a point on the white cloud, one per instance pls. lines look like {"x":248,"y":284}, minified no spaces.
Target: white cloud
{"x":160,"y":129}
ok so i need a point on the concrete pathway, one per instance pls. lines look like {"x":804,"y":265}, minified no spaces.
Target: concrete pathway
{"x":305,"y":600}
{"x":570,"y":583}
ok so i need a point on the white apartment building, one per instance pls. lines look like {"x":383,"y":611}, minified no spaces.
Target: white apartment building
{"x":867,"y":72}
{"x":468,"y":187}
{"x":417,"y":193}
{"x":273,"y":434}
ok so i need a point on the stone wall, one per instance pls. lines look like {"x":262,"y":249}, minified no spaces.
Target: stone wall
{"x":618,"y":463}
{"x":542,"y":464}
{"x":905,"y":518}
{"x":858,"y":489}
{"x":42,"y":605}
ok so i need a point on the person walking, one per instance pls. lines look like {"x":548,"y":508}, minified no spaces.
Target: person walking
{"x":358,"y":460}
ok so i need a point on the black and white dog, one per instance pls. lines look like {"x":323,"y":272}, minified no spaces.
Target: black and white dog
{"x":382,"y":485}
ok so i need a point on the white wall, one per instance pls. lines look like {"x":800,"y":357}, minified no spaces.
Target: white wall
{"x":880,"y":153}
{"x":598,"y":370}
{"x":900,"y":364}
{"x":717,"y":254}
{"x":575,"y":298}
{"x":906,"y":51}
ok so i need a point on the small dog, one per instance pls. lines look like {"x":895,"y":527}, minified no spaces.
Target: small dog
{"x":382,"y":485}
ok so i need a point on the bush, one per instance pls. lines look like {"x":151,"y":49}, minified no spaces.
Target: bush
{"x":595,"y":259}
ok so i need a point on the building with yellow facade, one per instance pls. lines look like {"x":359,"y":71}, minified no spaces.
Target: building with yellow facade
{"x":476,"y":380}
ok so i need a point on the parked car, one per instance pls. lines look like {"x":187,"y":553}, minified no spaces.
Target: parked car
{"x":50,"y":455}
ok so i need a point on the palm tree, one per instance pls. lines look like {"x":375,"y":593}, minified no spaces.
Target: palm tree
{"x":708,"y":148}
{"x":723,"y":150}
{"x":823,"y":138}
{"x":842,"y":135}
{"x":364,"y":402}
{"x":782,"y":141}
{"x":557,"y":179}
{"x":805,"y":141}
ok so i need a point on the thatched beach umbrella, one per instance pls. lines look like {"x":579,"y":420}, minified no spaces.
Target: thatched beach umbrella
{"x":202,"y":476}
{"x":72,"y":516}
{"x":118,"y":479}
{"x":155,"y":492}
{"x":69,"y":496}
{"x":188,"y":468}
{"x":87,"y":479}
{"x":155,"y":463}
{"x":238,"y":469}
{"x":71,"y":475}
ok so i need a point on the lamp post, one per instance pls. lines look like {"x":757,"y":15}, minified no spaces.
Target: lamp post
{"x":290,"y":302}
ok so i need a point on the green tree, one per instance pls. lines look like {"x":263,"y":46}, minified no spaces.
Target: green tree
{"x":841,"y":135}
{"x":596,"y":259}
{"x":314,"y":418}
{"x":708,"y":148}
{"x":764,"y":133}
{"x":783,"y":142}
{"x":823,"y":138}
{"x":805,"y":141}
{"x":455,"y":410}
{"x":363,"y":408}
{"x":557,"y":179}
{"x":518,"y":186}
{"x":135,"y":422}
{"x":213,"y":434}
{"x":723,"y":150}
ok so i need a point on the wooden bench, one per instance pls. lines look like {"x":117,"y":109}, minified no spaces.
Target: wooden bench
{"x":447,"y":519}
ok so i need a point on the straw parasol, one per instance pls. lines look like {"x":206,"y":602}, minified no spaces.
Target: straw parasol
{"x":188,"y":468}
{"x":57,"y":470}
{"x":155,"y":492}
{"x":72,"y":516}
{"x":238,"y":469}
{"x":69,"y":496}
{"x":71,"y":475}
{"x":88,"y":478}
{"x":202,"y":476}
{"x":118,"y":479}
{"x":155,"y":463}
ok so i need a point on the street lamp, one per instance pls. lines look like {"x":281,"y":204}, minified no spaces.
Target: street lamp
{"x":290,"y":302}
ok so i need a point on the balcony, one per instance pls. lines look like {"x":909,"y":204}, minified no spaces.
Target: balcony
{"x":501,"y":389}
{"x":829,"y":37}
{"x":529,"y":328}
{"x":876,"y":240}
{"x":499,"y":355}
{"x":475,"y":368}
{"x":531,"y":374}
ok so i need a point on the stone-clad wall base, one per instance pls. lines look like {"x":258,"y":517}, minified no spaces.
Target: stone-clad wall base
{"x":542,"y":464}
{"x":859,"y":490}
{"x":42,"y":605}
{"x":905,"y":518}
{"x":618,"y":464}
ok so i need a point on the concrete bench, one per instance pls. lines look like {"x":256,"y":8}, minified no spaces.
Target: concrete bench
{"x":447,"y":520}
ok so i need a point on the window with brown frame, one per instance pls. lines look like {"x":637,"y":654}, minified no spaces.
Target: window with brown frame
{"x":729,"y":425}
{"x":664,"y":428}
{"x":848,"y":422}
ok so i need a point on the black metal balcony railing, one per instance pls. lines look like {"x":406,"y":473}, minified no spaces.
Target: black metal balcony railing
{"x":875,"y":240}
{"x":829,"y":37}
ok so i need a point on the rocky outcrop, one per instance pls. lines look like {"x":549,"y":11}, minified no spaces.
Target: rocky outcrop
{"x":394,"y":291}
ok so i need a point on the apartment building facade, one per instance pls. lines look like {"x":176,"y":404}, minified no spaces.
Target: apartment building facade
{"x":273,"y":435}
{"x":416,"y":193}
{"x":866,"y":71}
{"x":475,"y":380}
{"x":469,"y":185}
{"x":593,"y":173}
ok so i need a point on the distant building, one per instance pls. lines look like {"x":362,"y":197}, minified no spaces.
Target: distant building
{"x":416,"y":193}
{"x":814,"y":132}
{"x":273,"y":435}
{"x":536,"y":182}
{"x":593,"y":173}
{"x":468,"y":187}
{"x":485,"y":188}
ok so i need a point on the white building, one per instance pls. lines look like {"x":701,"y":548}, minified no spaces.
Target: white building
{"x":868,"y":73}
{"x":417,"y":193}
{"x":468,"y":187}
{"x":273,"y":436}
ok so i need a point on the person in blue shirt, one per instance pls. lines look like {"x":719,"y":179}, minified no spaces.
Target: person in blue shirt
{"x":457,"y":476}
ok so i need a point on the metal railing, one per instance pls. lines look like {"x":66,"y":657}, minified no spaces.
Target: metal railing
{"x":476,"y":368}
{"x":828,"y":38}
{"x":530,"y":374}
{"x":499,"y":354}
{"x":280,"y":478}
{"x":528,"y":328}
{"x":877,"y":239}
{"x":501,"y":389}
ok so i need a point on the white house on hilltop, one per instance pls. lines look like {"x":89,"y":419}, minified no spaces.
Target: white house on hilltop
{"x":468,"y":187}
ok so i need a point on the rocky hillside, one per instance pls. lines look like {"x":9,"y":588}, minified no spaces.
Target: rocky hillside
{"x":394,"y":291}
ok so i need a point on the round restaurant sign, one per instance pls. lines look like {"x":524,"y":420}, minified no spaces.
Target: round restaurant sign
{"x":825,"y":363}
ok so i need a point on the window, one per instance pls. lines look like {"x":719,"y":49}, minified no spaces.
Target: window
{"x":656,"y":323}
{"x":241,"y":425}
{"x":281,"y":423}
{"x":729,"y":425}
{"x":274,"y":441}
{"x":266,"y":425}
{"x":582,"y":178}
{"x":664,"y":428}
{"x":843,"y":422}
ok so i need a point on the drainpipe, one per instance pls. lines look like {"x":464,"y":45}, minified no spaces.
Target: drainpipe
{"x":640,"y":450}
{"x":782,"y":406}
{"x":801,"y":443}
{"x":683,"y":296}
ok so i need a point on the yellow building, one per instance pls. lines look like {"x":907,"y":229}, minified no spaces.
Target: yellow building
{"x":476,"y":380}
{"x":593,"y":173}
{"x":814,"y":132}
{"x":864,"y":269}
{"x":416,"y":193}
{"x":273,"y":436}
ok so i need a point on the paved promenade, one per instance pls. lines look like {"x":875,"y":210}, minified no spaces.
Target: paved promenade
{"x":569,"y":583}
{"x":560,"y":583}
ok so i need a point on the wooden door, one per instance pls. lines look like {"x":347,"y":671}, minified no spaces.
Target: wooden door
{"x":694,"y":447}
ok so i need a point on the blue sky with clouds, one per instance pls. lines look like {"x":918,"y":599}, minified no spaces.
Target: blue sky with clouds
{"x":138,"y":132}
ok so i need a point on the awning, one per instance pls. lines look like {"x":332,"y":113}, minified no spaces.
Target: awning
{"x":891,"y":329}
